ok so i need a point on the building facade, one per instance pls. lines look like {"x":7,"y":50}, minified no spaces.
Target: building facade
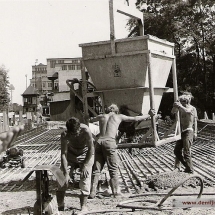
{"x":40,"y":79}
{"x":49,"y":83}
{"x":30,"y":100}
{"x":61,"y":69}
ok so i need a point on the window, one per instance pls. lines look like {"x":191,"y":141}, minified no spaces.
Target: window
{"x":61,"y":61}
{"x":75,"y":61}
{"x":71,"y":67}
{"x":56,"y":86}
{"x":64,"y":67}
{"x":28,"y":100}
{"x":78,"y":67}
{"x":52,"y":63}
{"x":44,"y":84}
{"x":49,"y":84}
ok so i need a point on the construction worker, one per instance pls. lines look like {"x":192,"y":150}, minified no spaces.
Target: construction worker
{"x":188,"y":119}
{"x":7,"y":138}
{"x":106,"y":148}
{"x":77,"y":149}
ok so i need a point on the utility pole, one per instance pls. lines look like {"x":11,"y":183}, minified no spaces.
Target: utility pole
{"x":36,"y":61}
{"x":11,"y":88}
{"x":26,"y":80}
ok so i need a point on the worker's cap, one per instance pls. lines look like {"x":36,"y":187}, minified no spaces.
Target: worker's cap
{"x":184,"y":98}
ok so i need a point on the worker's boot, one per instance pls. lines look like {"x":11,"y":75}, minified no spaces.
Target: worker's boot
{"x":83,"y":202}
{"x":94,"y":185}
{"x":177,"y":165}
{"x":115,"y":187}
{"x":60,"y":199}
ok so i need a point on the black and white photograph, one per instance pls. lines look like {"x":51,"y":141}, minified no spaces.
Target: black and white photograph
{"x":107,"y":107}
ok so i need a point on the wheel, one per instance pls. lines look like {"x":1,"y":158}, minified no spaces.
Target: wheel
{"x":7,"y":152}
{"x":21,"y":152}
{"x":22,"y":164}
{"x":5,"y":159}
{"x":2,"y":165}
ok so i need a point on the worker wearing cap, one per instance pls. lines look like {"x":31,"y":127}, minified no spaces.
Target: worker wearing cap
{"x":188,"y":119}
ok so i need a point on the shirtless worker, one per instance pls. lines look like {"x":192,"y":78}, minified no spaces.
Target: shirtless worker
{"x":106,"y":148}
{"x":8,"y":138}
{"x":188,"y":120}
{"x":77,"y":150}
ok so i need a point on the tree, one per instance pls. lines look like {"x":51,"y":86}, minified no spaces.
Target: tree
{"x":190,"y":25}
{"x":15,"y":107}
{"x":4,"y":84}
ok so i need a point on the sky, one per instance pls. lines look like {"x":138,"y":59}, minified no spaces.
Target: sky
{"x":41,"y":29}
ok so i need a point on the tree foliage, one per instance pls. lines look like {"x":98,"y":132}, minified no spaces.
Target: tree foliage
{"x":4,"y":94}
{"x":190,"y":26}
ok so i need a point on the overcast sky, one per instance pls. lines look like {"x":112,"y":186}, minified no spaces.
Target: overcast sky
{"x":34,"y":29}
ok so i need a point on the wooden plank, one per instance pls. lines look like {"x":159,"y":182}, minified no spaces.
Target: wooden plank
{"x":127,"y":13}
{"x":38,"y":207}
{"x":117,"y":55}
{"x":134,"y":145}
{"x":92,"y":111}
{"x":145,"y":37}
{"x":84,"y":92}
{"x":167,"y":140}
{"x":151,"y":93}
{"x":175,"y":87}
{"x":112,"y":33}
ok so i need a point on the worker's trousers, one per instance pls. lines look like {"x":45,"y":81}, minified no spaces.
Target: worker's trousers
{"x":183,"y":150}
{"x":106,"y":151}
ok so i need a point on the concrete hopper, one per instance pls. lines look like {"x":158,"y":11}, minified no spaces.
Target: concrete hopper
{"x":132,"y":72}
{"x":123,"y":78}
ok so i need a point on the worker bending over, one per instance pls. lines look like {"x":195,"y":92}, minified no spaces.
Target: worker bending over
{"x":77,"y":149}
{"x":9,"y":137}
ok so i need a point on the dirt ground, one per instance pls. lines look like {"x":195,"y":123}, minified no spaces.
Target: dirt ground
{"x":22,"y":202}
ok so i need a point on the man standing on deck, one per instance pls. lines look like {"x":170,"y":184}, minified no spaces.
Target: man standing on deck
{"x":188,"y":119}
{"x":106,"y":148}
{"x":77,"y":150}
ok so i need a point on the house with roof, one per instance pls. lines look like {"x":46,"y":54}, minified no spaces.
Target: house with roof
{"x":50,"y":89}
{"x":30,"y":99}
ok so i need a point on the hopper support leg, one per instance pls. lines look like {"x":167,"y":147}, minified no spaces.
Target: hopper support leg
{"x":151,"y":93}
{"x":175,"y":88}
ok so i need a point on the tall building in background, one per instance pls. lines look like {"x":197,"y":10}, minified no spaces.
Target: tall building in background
{"x":40,"y":79}
{"x":50,"y":89}
{"x":42,"y":85}
{"x":61,"y":69}
{"x":63,"y":104}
